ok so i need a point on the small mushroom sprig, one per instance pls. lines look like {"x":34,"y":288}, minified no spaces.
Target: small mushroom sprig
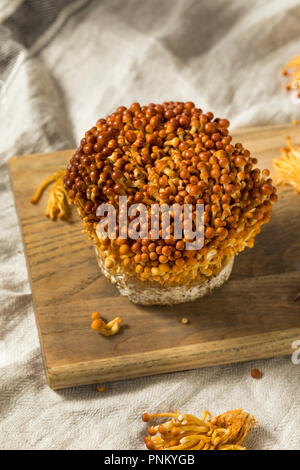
{"x":58,"y":201}
{"x":292,"y":70}
{"x":288,"y":166}
{"x":106,"y":329}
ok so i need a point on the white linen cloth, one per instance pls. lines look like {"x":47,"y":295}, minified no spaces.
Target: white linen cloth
{"x":64,"y":64}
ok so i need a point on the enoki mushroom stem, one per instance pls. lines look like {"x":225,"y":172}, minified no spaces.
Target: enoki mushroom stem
{"x":58,"y":200}
{"x":288,"y":166}
{"x":187,"y":432}
{"x":106,"y":329}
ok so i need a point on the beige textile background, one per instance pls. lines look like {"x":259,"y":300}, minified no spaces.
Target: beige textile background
{"x":64,"y":64}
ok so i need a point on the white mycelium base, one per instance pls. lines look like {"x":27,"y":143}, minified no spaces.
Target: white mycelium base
{"x":144,"y":293}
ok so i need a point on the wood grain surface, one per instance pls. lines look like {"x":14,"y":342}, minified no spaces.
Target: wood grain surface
{"x":252,"y":316}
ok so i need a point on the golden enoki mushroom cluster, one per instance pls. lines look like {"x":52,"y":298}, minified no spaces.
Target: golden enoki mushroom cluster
{"x":288,"y":166}
{"x":186,"y":432}
{"x":169,"y":153}
{"x":292,"y":70}
{"x":58,"y":200}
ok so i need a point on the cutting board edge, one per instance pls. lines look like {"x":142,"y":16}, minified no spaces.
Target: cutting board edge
{"x":213,"y":353}
{"x":16,"y":205}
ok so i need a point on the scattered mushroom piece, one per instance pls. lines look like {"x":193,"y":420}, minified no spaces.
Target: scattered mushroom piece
{"x":256,"y":373}
{"x":106,"y":329}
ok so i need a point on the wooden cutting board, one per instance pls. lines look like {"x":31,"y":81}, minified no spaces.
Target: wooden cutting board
{"x":254,"y":315}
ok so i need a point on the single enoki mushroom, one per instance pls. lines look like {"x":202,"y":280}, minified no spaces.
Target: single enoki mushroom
{"x":186,"y":432}
{"x":106,"y":329}
{"x":292,"y":70}
{"x":288,"y":166}
{"x":58,"y":200}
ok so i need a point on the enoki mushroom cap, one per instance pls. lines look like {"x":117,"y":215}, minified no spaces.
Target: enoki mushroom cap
{"x":169,"y":153}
